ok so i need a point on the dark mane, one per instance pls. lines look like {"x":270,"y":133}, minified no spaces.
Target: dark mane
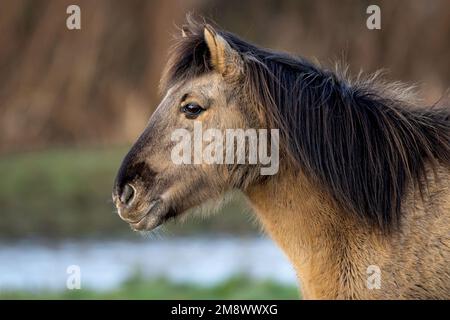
{"x":364,"y":141}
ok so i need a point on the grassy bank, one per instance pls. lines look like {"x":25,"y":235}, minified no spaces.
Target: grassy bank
{"x":67,"y":193}
{"x":138,"y":288}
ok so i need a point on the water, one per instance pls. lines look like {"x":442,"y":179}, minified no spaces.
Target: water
{"x":106,"y":264}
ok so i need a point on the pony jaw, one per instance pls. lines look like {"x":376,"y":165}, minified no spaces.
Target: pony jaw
{"x":156,"y":214}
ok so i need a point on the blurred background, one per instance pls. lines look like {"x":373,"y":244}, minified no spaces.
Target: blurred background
{"x":73,"y":101}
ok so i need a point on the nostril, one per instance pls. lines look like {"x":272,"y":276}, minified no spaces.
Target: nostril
{"x":127,"y":194}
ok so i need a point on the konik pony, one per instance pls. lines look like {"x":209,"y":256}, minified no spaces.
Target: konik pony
{"x":363,"y":181}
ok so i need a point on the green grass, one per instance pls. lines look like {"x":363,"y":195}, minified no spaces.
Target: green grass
{"x":58,"y":193}
{"x":137,"y":287}
{"x":67,"y":193}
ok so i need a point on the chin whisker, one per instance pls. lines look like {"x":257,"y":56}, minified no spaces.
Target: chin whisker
{"x":155,"y":234}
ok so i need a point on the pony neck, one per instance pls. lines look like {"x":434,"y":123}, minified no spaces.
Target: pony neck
{"x":318,"y":239}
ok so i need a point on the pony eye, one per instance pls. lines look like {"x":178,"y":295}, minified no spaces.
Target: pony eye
{"x":192,"y":110}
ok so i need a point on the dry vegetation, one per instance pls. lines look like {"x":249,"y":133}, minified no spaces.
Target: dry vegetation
{"x":99,"y":85}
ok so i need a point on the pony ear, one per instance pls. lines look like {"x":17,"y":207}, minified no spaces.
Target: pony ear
{"x":224,"y":59}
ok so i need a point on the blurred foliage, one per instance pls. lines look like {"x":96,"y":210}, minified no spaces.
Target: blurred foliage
{"x":67,"y":193}
{"x":98,"y":85}
{"x":239,"y":287}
